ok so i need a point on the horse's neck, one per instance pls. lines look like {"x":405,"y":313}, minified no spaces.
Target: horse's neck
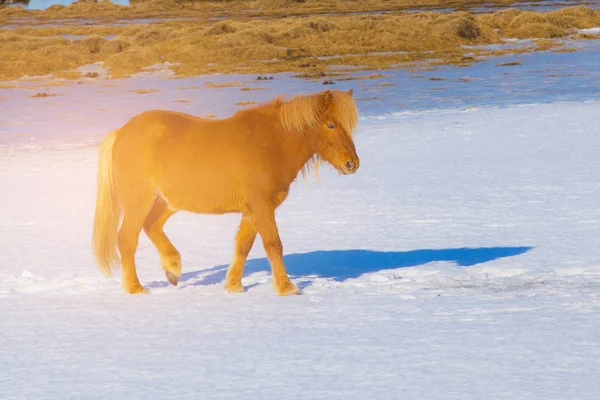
{"x":297,"y":151}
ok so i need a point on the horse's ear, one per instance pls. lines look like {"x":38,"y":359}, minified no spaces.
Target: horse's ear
{"x":326,"y":98}
{"x":350,"y":92}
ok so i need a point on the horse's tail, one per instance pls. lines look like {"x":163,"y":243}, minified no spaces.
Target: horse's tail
{"x":108,"y":212}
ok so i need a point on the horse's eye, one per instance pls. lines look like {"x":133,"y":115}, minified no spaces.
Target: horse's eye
{"x":331,"y":126}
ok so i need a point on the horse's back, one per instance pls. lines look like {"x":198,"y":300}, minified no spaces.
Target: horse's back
{"x":193,"y":162}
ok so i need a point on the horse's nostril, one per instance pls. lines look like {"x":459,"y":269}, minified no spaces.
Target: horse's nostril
{"x":350,"y":165}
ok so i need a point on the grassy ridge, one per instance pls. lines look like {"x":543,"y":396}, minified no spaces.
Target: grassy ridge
{"x":303,"y":44}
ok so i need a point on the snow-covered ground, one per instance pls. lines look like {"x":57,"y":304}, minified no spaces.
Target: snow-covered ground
{"x":461,"y":262}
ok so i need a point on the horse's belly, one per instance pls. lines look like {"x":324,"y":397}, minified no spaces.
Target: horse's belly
{"x":203,"y":200}
{"x":199,"y":176}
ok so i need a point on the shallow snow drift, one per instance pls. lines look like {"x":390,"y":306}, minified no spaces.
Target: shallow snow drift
{"x":461,"y":262}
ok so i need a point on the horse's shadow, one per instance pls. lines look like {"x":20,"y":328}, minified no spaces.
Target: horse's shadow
{"x":345,"y":264}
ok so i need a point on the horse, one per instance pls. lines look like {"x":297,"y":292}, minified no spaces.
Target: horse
{"x":161,"y":162}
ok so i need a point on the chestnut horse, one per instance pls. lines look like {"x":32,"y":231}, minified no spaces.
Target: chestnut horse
{"x":161,"y":162}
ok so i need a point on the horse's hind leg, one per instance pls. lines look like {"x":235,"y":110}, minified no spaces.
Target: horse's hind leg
{"x":244,"y":240}
{"x":131,"y":226}
{"x":153,"y":226}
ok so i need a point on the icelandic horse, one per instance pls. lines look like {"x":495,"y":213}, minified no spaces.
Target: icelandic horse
{"x":161,"y":162}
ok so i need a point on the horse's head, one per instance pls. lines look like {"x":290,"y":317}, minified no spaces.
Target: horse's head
{"x":333,"y":140}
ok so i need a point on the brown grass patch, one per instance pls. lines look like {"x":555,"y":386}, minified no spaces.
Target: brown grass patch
{"x":187,"y":87}
{"x":143,"y":91}
{"x":50,"y":84}
{"x":566,"y":50}
{"x":158,"y":5}
{"x":537,"y":30}
{"x":320,"y":25}
{"x":509,"y":64}
{"x":131,"y":61}
{"x":574,"y":17}
{"x":365,"y":77}
{"x":211,"y":85}
{"x":43,"y":94}
{"x":527,"y":18}
{"x":115,"y":46}
{"x":245,"y":103}
{"x":461,"y":27}
{"x":32,"y":56}
{"x":246,"y":89}
{"x":152,"y":35}
{"x":546,"y":44}
{"x":220,"y":28}
{"x":183,"y":101}
{"x":586,"y":36}
{"x":553,"y":24}
{"x":93,"y":43}
{"x":499,"y":20}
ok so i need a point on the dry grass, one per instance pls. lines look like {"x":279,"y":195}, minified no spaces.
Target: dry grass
{"x":43,"y":95}
{"x":211,"y":85}
{"x":115,"y":46}
{"x":307,"y":46}
{"x":245,"y":103}
{"x":131,"y":60}
{"x":237,"y":8}
{"x":246,"y":89}
{"x":566,"y":50}
{"x":537,"y":30}
{"x":585,"y":36}
{"x":545,"y":44}
{"x":509,"y":64}
{"x":31,"y":56}
{"x":143,"y":91}
{"x":365,"y":77}
{"x":553,"y":24}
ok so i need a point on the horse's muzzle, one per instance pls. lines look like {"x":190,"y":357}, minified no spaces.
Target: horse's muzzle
{"x":350,"y":167}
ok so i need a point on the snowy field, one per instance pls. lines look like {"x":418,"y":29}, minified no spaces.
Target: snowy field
{"x":461,"y":262}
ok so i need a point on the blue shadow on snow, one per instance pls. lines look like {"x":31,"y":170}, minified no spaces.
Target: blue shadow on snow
{"x":345,"y":264}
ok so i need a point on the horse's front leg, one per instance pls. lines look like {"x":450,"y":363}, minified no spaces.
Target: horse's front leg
{"x":244,"y":240}
{"x":264,"y":220}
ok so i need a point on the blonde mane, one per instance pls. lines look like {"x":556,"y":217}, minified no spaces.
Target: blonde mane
{"x":303,"y":113}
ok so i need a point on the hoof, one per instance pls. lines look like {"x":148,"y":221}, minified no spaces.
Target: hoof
{"x":173,"y":279}
{"x":287,"y":289}
{"x":136,"y":289}
{"x":234,"y":287}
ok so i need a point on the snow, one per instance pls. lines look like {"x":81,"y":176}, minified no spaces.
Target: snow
{"x":460,"y":262}
{"x":591,"y":31}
